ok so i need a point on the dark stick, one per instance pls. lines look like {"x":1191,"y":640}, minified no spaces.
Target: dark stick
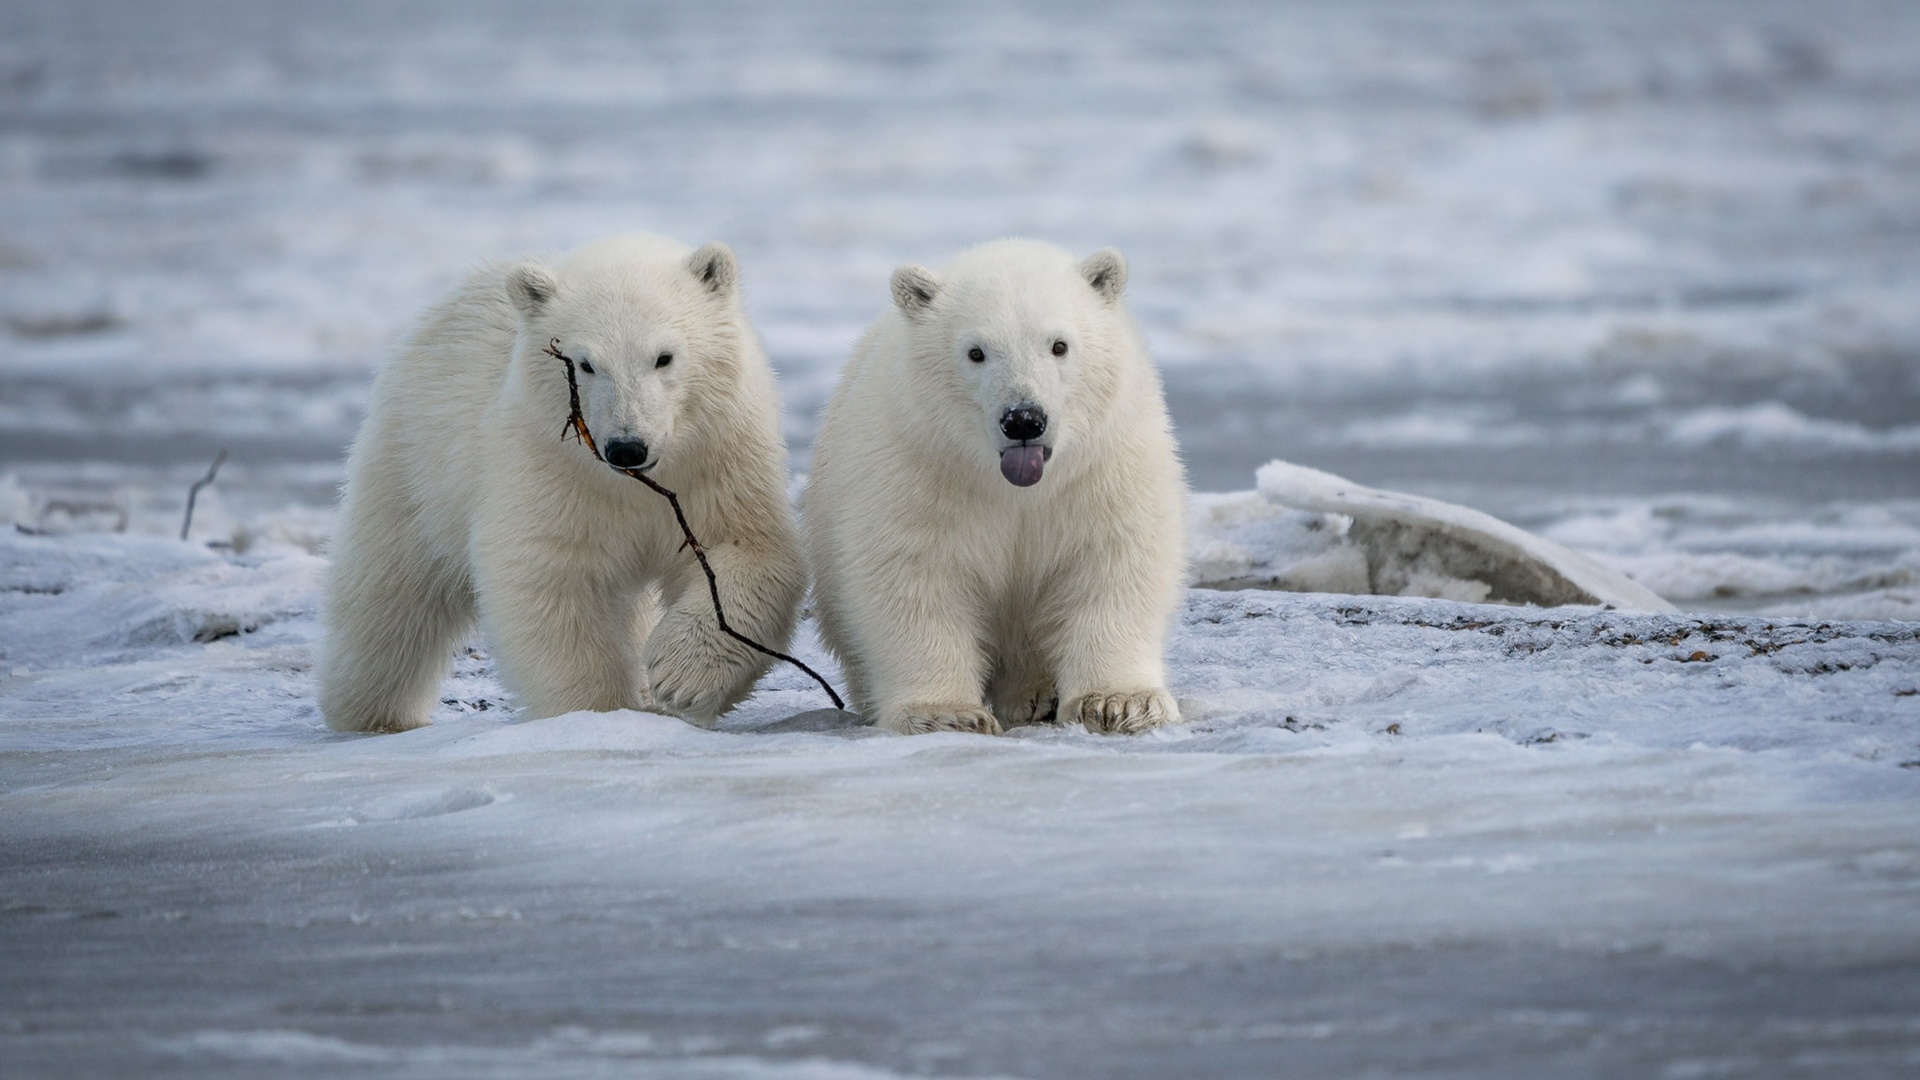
{"x":577,"y":426}
{"x":194,"y":491}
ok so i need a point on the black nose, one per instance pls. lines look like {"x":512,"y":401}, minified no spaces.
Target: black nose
{"x":626,"y":453}
{"x":1024,"y":422}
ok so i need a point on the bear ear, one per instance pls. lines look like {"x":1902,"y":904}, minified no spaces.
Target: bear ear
{"x":914,"y":288}
{"x":531,"y":287}
{"x":715,"y":267}
{"x":1106,"y":271}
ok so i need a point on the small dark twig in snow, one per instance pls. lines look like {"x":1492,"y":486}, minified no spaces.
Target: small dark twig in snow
{"x":194,"y":491}
{"x":577,"y":427}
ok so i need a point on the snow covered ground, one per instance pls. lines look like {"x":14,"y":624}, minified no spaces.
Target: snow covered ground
{"x":1399,"y":836}
{"x":1639,"y":276}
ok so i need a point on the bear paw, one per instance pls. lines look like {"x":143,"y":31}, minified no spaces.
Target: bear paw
{"x":1125,"y":713}
{"x":687,"y":693}
{"x":922,"y":719}
{"x":1037,"y":705}
{"x":690,"y":673}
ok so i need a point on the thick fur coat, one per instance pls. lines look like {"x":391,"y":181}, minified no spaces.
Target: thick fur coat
{"x":463,"y":501}
{"x":995,"y":510}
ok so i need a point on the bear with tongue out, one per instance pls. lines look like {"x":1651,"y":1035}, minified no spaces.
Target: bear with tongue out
{"x":995,"y":511}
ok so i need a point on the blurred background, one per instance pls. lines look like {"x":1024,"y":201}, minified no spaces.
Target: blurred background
{"x":1641,"y":275}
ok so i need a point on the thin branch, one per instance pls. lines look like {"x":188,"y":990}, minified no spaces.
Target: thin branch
{"x":193,"y":492}
{"x":576,"y":426}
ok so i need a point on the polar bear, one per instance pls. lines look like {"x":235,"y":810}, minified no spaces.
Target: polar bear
{"x":994,"y":514}
{"x":462,"y":498}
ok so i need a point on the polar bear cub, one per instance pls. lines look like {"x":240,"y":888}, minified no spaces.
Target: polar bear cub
{"x":463,"y":500}
{"x":995,"y":509}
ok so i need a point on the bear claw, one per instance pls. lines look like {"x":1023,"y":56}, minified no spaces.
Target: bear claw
{"x":923,"y":719}
{"x":1037,"y":706}
{"x":1125,"y":713}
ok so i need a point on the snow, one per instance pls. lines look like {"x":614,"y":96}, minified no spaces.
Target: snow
{"x":1568,"y":809}
{"x":1414,"y":546}
{"x":1634,"y":278}
{"x":1770,"y":421}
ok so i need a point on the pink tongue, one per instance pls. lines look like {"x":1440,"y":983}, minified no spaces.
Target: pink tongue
{"x":1022,"y":465}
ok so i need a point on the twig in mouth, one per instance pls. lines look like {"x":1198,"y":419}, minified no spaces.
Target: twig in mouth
{"x":576,"y":426}
{"x":194,"y":491}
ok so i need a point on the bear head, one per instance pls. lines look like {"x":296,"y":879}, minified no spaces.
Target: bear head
{"x":1013,"y":345}
{"x":652,"y":329}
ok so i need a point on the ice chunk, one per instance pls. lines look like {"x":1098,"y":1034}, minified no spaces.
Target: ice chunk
{"x":1415,"y":546}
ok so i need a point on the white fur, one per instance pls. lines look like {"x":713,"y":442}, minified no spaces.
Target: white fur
{"x":954,"y":599}
{"x":462,"y":499}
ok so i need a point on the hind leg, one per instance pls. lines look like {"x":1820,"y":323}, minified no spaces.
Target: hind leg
{"x":394,"y":614}
{"x":1028,"y":703}
{"x":1021,"y":688}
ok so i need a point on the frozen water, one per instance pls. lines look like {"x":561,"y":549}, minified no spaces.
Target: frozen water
{"x":1391,"y":544}
{"x":1636,"y":276}
{"x":1396,"y":834}
{"x":1544,"y":260}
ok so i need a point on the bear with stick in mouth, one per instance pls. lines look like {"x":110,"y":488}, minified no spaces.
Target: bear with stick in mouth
{"x":463,"y":502}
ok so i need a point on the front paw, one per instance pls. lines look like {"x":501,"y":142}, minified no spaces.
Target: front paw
{"x":1131,"y":713}
{"x":924,"y":718}
{"x":690,"y":673}
{"x":1034,"y":705}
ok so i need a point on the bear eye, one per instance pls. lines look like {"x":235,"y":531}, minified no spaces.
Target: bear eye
{"x":663,"y":360}
{"x":1059,"y":348}
{"x":976,"y":355}
{"x":586,"y":366}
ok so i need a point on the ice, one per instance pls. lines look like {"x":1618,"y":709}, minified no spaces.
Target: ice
{"x":1635,"y":277}
{"x":1772,"y":421}
{"x":1405,"y":545}
{"x":1585,"y":823}
{"x":1834,"y":561}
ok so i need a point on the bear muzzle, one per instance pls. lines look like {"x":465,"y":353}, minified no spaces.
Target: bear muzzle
{"x":626,"y":454}
{"x":1023,"y":463}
